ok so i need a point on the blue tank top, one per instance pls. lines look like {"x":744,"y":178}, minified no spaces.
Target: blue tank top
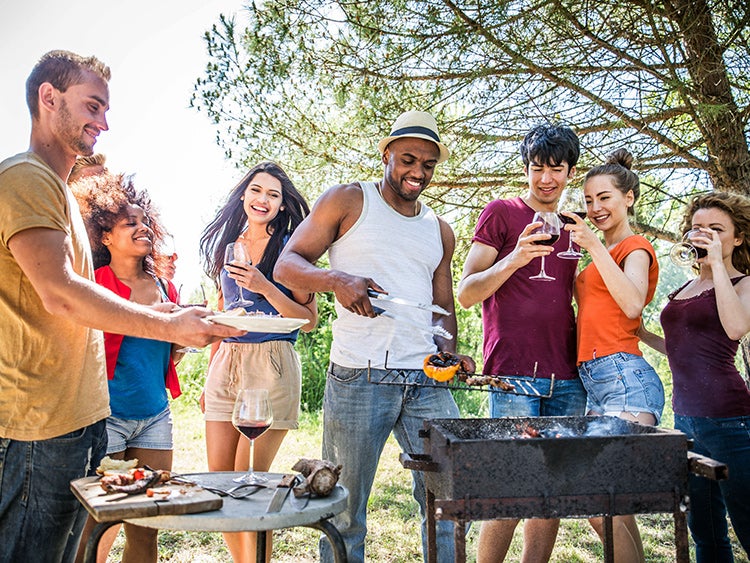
{"x":137,"y":390}
{"x":230,"y":291}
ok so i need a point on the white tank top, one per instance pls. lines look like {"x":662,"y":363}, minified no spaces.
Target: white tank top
{"x":401,"y":255}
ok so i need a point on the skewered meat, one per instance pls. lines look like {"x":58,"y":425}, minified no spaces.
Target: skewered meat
{"x":492,"y":380}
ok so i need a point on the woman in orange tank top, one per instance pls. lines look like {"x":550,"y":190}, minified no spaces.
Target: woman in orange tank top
{"x":611,"y":293}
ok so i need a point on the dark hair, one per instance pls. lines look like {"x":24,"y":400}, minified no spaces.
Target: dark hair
{"x":103,"y":200}
{"x":550,"y":143}
{"x":231,"y":220}
{"x":738,"y":209}
{"x":617,"y":166}
{"x":62,"y":69}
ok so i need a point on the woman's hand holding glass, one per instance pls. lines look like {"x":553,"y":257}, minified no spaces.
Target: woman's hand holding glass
{"x":236,"y":254}
{"x":694,"y":246}
{"x":572,"y":201}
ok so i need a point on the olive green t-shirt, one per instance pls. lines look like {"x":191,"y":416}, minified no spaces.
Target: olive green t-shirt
{"x":52,"y":370}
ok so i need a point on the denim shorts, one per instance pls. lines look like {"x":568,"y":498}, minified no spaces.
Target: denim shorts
{"x":622,"y":382}
{"x":153,"y":433}
{"x":568,"y":398}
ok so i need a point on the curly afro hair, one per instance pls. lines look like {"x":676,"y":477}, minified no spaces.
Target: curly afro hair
{"x":103,"y":200}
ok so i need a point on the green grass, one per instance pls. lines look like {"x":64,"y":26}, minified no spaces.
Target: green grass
{"x":393,"y":514}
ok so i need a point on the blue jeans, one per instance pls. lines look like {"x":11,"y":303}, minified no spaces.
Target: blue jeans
{"x":622,"y":382}
{"x":40,"y":519}
{"x":358,"y":417}
{"x":568,"y":399}
{"x":726,"y":440}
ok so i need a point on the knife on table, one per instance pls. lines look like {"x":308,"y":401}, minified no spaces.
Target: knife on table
{"x":281,"y":492}
{"x":401,"y":301}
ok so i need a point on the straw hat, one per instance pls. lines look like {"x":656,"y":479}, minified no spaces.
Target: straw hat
{"x":418,"y":124}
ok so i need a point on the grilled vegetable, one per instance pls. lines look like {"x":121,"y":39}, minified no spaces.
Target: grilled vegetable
{"x":442,"y":366}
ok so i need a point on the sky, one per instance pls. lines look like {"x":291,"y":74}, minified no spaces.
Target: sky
{"x":156,"y":52}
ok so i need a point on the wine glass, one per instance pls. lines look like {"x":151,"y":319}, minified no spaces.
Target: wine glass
{"x":252,"y":416}
{"x":237,"y":252}
{"x":194,"y":302}
{"x":572,"y":200}
{"x":684,"y":254}
{"x":550,"y":226}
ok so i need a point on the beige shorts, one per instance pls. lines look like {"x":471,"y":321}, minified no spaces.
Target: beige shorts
{"x":272,"y":365}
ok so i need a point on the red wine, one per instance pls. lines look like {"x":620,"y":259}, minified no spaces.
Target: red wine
{"x":253,"y":431}
{"x":568,"y":220}
{"x":547,"y":242}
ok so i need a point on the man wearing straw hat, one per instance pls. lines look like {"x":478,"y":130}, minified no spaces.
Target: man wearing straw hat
{"x":380,"y":237}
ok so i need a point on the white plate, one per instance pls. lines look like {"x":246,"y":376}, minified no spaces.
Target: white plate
{"x":255,"y":323}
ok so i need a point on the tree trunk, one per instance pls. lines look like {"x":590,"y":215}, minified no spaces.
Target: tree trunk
{"x":721,"y":125}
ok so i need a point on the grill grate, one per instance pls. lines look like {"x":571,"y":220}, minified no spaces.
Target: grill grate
{"x":396,"y":376}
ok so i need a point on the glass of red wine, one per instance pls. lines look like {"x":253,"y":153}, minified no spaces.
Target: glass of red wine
{"x":573,"y":201}
{"x":236,"y":254}
{"x":550,"y":226}
{"x":684,"y":254}
{"x":251,"y":417}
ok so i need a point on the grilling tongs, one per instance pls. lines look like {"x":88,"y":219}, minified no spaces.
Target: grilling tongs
{"x":432,"y":329}
{"x":401,"y":301}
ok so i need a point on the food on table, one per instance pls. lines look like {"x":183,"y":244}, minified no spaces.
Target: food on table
{"x":109,"y":465}
{"x":134,"y":481}
{"x":321,"y":476}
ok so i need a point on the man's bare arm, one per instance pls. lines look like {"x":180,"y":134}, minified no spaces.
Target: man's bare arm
{"x":442,"y":294}
{"x":46,"y":257}
{"x":331,"y":216}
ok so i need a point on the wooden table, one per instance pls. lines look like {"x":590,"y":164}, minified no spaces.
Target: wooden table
{"x":207,"y":512}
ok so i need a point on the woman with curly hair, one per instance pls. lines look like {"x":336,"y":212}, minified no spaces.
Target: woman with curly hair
{"x":703,"y":323}
{"x":124,"y":230}
{"x":260,"y":212}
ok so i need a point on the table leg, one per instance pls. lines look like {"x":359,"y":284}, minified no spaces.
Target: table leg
{"x":333,"y":535}
{"x":89,"y":554}
{"x":609,"y":540}
{"x":260,"y":546}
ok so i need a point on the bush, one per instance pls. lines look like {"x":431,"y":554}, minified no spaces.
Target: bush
{"x":314,"y":349}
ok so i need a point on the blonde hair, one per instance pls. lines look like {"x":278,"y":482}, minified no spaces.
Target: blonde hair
{"x":83,"y":162}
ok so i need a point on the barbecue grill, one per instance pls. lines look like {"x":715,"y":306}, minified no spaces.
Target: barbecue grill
{"x":553,"y":467}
